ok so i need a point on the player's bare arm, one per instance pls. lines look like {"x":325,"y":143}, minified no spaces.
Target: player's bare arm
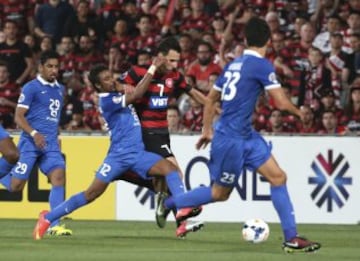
{"x":209,"y":113}
{"x":197,"y":96}
{"x":21,"y":121}
{"x":142,"y":86}
{"x":283,"y":103}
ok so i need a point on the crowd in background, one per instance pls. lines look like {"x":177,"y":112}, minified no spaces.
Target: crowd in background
{"x":315,"y":48}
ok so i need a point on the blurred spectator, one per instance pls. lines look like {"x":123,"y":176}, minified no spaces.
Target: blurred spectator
{"x":9,"y":93}
{"x":89,"y":99}
{"x":322,"y":40}
{"x":174,"y":120}
{"x":273,"y":20}
{"x":116,"y":60}
{"x":66,"y":52}
{"x":324,"y":9}
{"x":351,"y":117}
{"x":121,"y":36}
{"x":353,"y":22}
{"x":307,"y":123}
{"x":276,"y":123}
{"x":50,"y":19}
{"x":145,"y":39}
{"x":187,"y":55}
{"x":198,"y":20}
{"x":204,"y":66}
{"x":328,"y":103}
{"x":330,"y":123}
{"x":16,"y":54}
{"x":277,"y":43}
{"x":293,"y":59}
{"x":314,"y":78}
{"x":354,"y":57}
{"x":143,"y":58}
{"x":86,"y":55}
{"x":339,"y":64}
{"x":18,"y":11}
{"x":108,"y":14}
{"x":262,"y":113}
{"x":193,"y":118}
{"x":82,"y":22}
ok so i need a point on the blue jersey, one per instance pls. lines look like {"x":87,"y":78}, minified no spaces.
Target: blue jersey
{"x":240,"y":84}
{"x":122,"y":122}
{"x":44,"y":102}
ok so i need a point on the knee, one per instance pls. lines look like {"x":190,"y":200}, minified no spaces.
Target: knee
{"x":91,"y":195}
{"x":58,"y":179}
{"x":219,"y":195}
{"x":16,"y":187}
{"x":278,"y":179}
{"x":12,"y":156}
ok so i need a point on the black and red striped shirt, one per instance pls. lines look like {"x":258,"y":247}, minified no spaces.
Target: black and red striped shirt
{"x":152,"y":107}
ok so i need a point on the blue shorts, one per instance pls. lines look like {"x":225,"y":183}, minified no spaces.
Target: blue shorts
{"x":115,"y":165}
{"x":3,"y":133}
{"x":48,"y":159}
{"x":229,"y":156}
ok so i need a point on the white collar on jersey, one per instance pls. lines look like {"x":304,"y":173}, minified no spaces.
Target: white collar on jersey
{"x":45,"y":82}
{"x":252,"y":52}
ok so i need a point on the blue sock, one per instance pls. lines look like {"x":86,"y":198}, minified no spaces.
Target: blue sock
{"x":68,"y":206}
{"x":192,"y":198}
{"x":281,"y":200}
{"x":56,"y":197}
{"x":5,"y":167}
{"x":6,"y":182}
{"x":174,"y":183}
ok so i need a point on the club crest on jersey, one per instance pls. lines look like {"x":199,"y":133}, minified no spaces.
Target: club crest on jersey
{"x":117,"y":99}
{"x":169,"y":82}
{"x":272,"y":77}
{"x":157,"y":102}
{"x":21,"y":98}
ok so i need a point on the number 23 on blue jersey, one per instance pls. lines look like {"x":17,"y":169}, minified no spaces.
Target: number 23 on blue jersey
{"x":229,"y":88}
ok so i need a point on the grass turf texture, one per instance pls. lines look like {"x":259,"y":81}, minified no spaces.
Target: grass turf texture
{"x":120,"y":240}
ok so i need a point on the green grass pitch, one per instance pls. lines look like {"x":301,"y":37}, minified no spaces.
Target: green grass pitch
{"x":120,"y":240}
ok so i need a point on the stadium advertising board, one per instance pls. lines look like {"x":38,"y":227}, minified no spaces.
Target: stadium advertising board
{"x":323,"y":180}
{"x":83,"y":156}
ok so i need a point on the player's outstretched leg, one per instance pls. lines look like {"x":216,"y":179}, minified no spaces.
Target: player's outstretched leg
{"x":188,"y":226}
{"x":161,"y":213}
{"x":300,"y":244}
{"x":41,"y":226}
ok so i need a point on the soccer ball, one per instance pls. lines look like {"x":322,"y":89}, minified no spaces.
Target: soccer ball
{"x":255,"y":230}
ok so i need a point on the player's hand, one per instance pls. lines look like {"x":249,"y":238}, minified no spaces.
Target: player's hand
{"x":158,"y":61}
{"x":39,"y":140}
{"x":204,"y":140}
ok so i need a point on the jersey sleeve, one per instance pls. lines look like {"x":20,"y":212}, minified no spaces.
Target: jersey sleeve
{"x":182,"y":84}
{"x":113,"y":102}
{"x":265,"y":73}
{"x":131,"y":77}
{"x":26,"y":96}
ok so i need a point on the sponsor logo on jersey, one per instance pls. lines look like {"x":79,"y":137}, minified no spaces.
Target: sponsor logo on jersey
{"x":157,"y":102}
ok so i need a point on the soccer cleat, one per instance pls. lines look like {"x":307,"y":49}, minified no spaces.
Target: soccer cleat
{"x":41,"y":226}
{"x":59,"y":230}
{"x":161,"y":212}
{"x":188,"y":226}
{"x":185,"y":213}
{"x":300,"y":244}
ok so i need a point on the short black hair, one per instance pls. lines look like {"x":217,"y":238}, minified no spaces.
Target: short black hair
{"x":94,"y":75}
{"x":167,"y":44}
{"x":257,"y":32}
{"x":50,"y":54}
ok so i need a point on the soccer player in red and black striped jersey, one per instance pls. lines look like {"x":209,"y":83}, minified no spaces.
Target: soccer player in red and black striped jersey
{"x":152,"y":108}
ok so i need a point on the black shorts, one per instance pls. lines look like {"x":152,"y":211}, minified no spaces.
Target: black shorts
{"x":158,"y":143}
